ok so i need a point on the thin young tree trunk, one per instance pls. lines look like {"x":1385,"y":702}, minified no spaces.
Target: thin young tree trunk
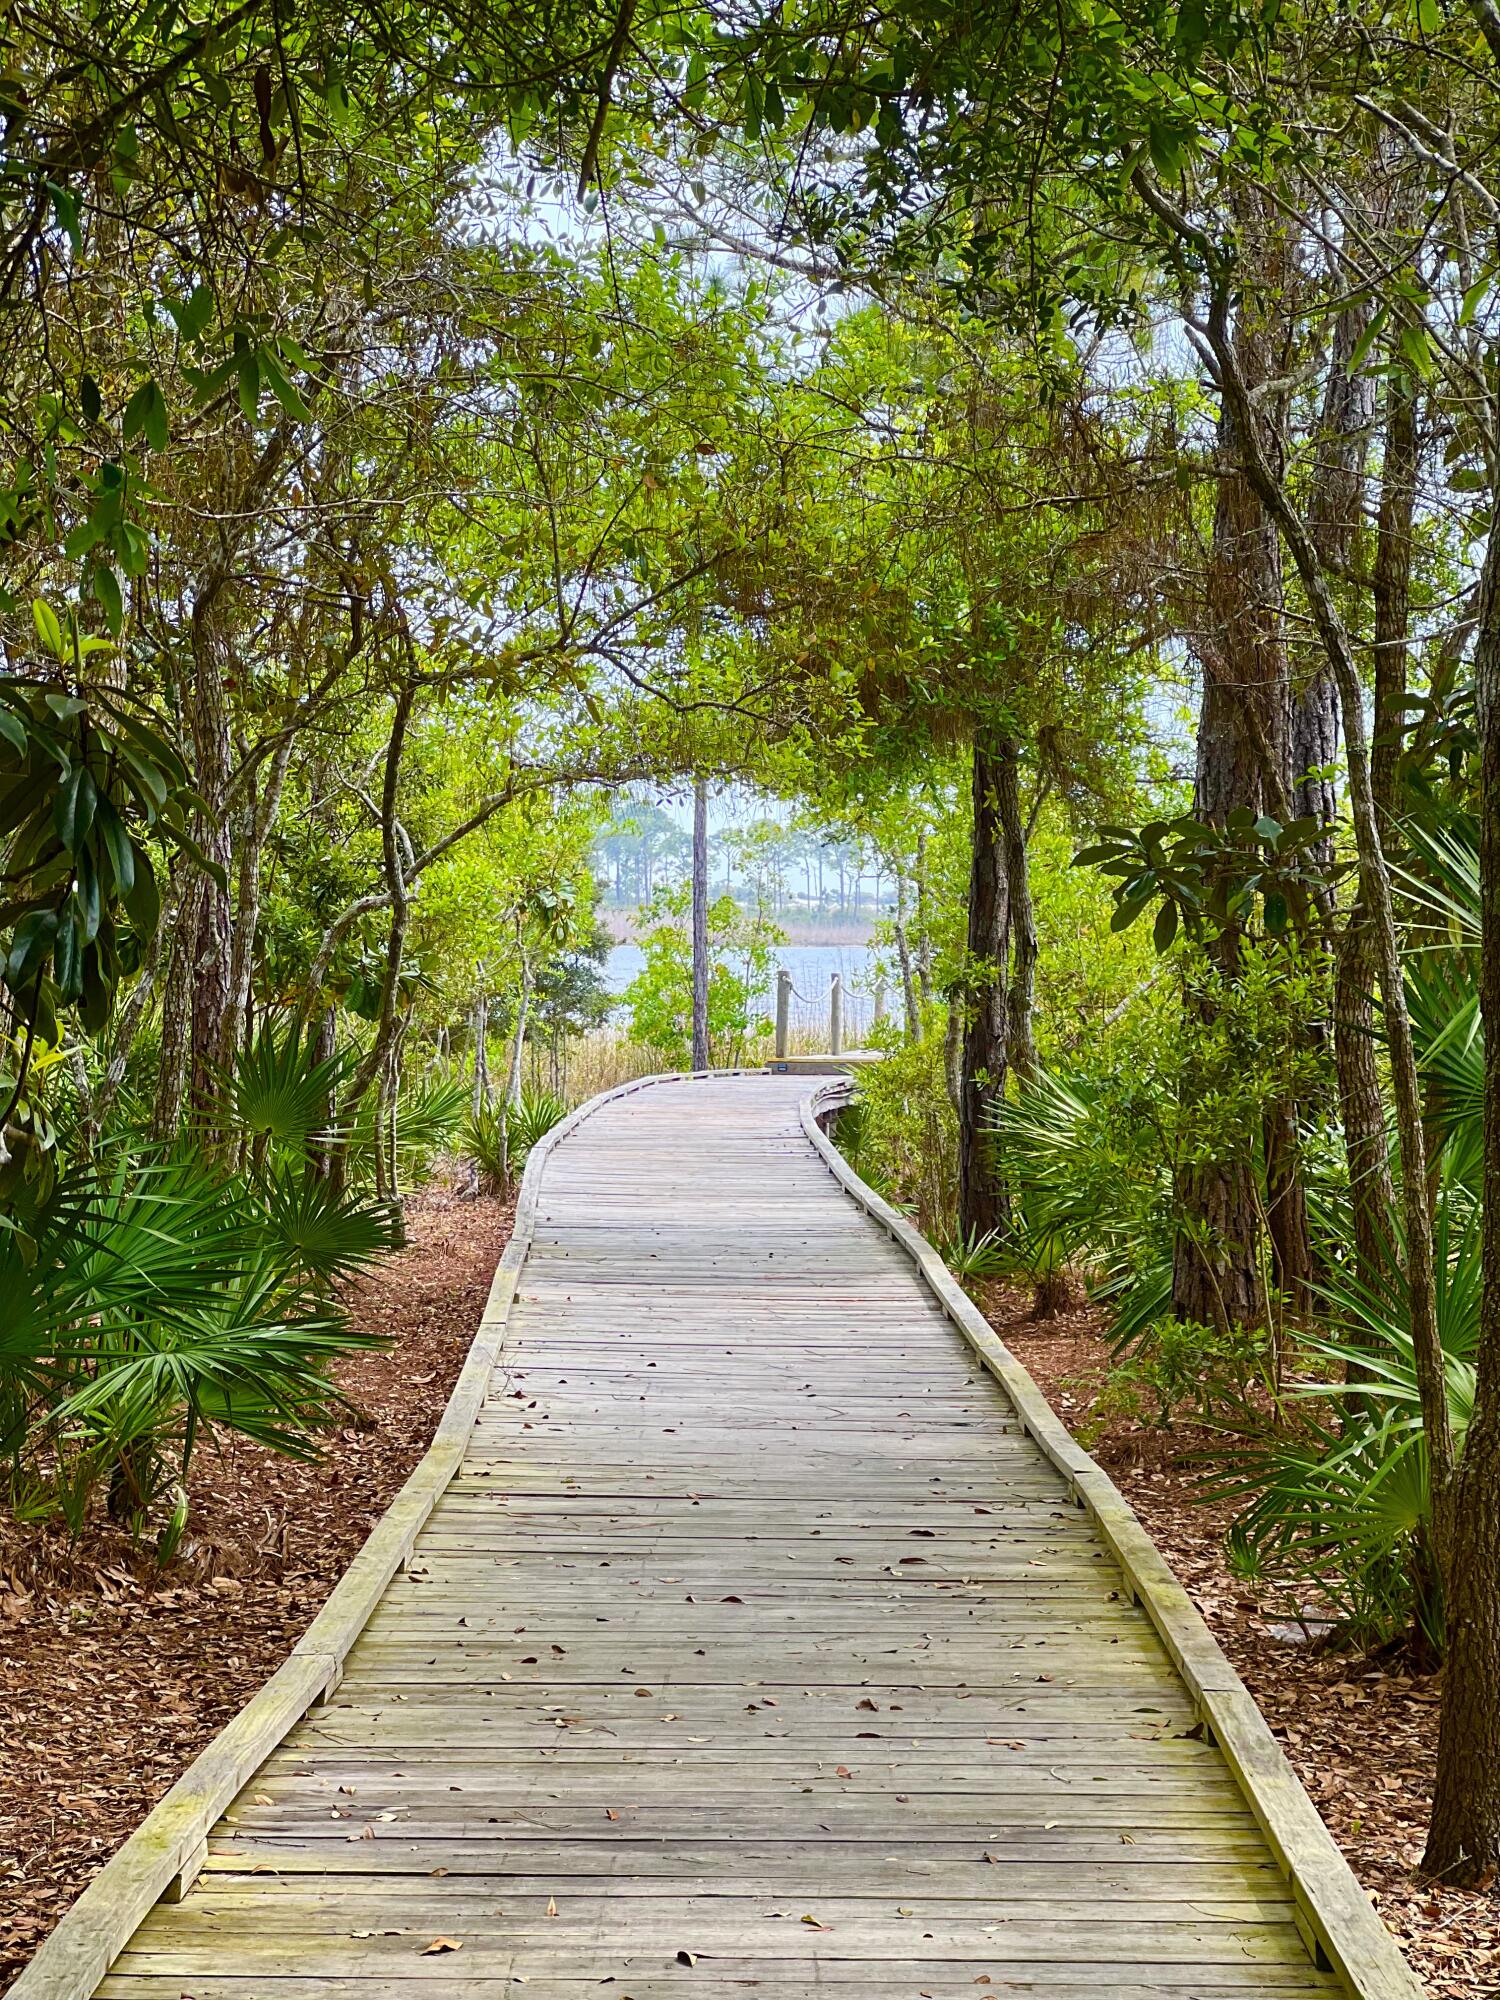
{"x":1375,"y":886}
{"x":210,"y":1000}
{"x":1021,"y":1003}
{"x":700,"y":1056}
{"x":513,"y":1075}
{"x":379,"y":899}
{"x":177,"y":1009}
{"x":395,"y":853}
{"x":1463,"y":1839}
{"x":128,"y":1020}
{"x":322,"y":1044}
{"x":914,"y":1023}
{"x":1356,"y":1047}
{"x":258,"y":819}
{"x":481,"y":1097}
{"x":206,"y":702}
{"x":953,"y":1052}
{"x":924,"y":929}
{"x":986,"y":1002}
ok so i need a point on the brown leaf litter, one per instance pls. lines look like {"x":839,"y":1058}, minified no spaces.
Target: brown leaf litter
{"x":1361,"y":1735}
{"x":117,"y":1673}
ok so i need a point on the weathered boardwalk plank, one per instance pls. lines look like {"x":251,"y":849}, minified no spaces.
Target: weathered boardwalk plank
{"x":755,"y":1645}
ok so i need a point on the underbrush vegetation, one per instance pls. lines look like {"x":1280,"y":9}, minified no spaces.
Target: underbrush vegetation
{"x":160,"y":1294}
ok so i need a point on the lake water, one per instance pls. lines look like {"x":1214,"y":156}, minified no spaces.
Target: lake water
{"x":812,"y":966}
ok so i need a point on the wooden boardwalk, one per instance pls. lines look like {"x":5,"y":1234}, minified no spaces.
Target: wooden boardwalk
{"x":755,"y":1648}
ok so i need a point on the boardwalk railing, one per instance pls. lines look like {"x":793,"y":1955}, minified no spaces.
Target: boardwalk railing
{"x":163,"y":1858}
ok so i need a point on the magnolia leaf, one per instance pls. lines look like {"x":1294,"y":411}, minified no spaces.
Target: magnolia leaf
{"x":142,"y":899}
{"x":147,"y":411}
{"x":118,"y":846}
{"x":106,"y":588}
{"x":67,"y":958}
{"x":73,"y":809}
{"x":48,"y":627}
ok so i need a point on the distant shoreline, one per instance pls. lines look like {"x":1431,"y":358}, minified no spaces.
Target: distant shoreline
{"x":624,"y":927}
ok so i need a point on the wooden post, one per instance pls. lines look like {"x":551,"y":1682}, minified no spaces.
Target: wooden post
{"x":879,"y":1014}
{"x":836,"y":1016}
{"x":783,"y":1012}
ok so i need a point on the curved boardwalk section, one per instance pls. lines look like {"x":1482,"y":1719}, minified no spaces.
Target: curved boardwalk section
{"x":755,"y":1647}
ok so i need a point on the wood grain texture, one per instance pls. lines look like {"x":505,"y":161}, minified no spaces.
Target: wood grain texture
{"x":758,"y":1636}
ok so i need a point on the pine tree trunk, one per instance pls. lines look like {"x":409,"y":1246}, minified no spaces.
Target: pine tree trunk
{"x":1463,"y":1841}
{"x":177,"y":1009}
{"x":1244,"y":751}
{"x":1333,"y":517}
{"x":1216,"y":1274}
{"x":208,"y":710}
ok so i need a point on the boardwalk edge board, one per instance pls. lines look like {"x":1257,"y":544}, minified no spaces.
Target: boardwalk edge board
{"x":1336,"y":1918}
{"x":162,"y":1858}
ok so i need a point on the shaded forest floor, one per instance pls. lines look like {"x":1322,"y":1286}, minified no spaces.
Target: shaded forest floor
{"x":116,"y":1673}
{"x":1361,"y":1736}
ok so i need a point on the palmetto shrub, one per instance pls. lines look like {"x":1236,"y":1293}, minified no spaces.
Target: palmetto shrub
{"x":282,"y":1094}
{"x":499,"y":1138}
{"x":855,"y":1135}
{"x":1337,"y":1504}
{"x":152,"y":1303}
{"x":532,"y":1119}
{"x":1081,"y":1196}
{"x":290,"y":1104}
{"x":973,"y":1255}
{"x":429,"y":1125}
{"x":485,"y":1144}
